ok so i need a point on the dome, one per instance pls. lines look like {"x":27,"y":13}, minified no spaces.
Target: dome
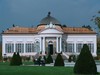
{"x":49,"y":19}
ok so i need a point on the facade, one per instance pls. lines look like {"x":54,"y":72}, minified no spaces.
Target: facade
{"x":48,"y":37}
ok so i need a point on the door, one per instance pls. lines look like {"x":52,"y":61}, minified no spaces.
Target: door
{"x":50,"y":46}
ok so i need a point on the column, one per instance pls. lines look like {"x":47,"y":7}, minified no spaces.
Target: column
{"x":74,"y":47}
{"x":3,"y":48}
{"x":43,"y":52}
{"x":14,"y":47}
{"x":95,"y":48}
{"x":24,"y":47}
{"x":60,"y":44}
{"x":40,"y":44}
{"x":57,"y":44}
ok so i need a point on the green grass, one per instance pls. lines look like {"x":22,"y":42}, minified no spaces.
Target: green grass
{"x":5,"y":69}
{"x":28,"y":63}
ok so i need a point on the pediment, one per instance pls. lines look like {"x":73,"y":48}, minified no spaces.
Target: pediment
{"x":50,"y":31}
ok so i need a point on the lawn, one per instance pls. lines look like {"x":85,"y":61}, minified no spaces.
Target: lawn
{"x":5,"y":69}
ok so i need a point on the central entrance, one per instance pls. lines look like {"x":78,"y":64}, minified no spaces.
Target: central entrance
{"x":50,"y":46}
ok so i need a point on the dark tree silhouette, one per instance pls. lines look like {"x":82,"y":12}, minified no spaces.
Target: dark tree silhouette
{"x":87,"y":26}
{"x":85,"y":63}
{"x":96,"y":20}
{"x":59,"y":60}
{"x":16,"y":60}
{"x":49,"y":59}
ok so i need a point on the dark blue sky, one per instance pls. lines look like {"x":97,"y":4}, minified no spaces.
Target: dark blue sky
{"x":30,"y":12}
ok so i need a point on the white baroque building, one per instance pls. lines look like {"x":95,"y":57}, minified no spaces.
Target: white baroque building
{"x":48,"y":37}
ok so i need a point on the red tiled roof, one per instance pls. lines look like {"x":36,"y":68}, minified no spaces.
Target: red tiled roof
{"x":15,"y":30}
{"x":77,"y":30}
{"x":24,"y":30}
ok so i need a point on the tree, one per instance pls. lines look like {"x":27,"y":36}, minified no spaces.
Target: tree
{"x":70,"y":58}
{"x":19,"y":59}
{"x":13,"y":59}
{"x":64,"y":25}
{"x":49,"y":59}
{"x":13,"y":25}
{"x":59,"y":60}
{"x":16,"y":60}
{"x":96,"y":20}
{"x":44,"y":57}
{"x":0,"y":51}
{"x":87,"y":26}
{"x":85,"y":63}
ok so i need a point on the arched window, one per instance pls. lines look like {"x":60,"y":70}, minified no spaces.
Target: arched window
{"x":50,"y":42}
{"x":37,"y":46}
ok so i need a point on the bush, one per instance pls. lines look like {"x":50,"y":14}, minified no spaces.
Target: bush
{"x":74,"y":58}
{"x":70,"y":58}
{"x":13,"y":59}
{"x":27,"y":58}
{"x":39,"y":60}
{"x":49,"y":59}
{"x":85,"y":63}
{"x":59,"y":60}
{"x":19,"y":59}
{"x":44,"y":57}
{"x":5,"y":59}
{"x":16,"y":60}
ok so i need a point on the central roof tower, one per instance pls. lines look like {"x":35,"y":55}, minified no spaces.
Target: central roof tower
{"x":48,"y":19}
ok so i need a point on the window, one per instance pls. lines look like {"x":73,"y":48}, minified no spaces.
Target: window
{"x":79,"y":47}
{"x":20,"y":47}
{"x":37,"y":46}
{"x":70,"y":47}
{"x":29,"y":47}
{"x":9,"y":47}
{"x":91,"y":47}
{"x":64,"y":46}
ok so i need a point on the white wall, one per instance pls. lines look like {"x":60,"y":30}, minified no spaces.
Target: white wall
{"x":24,"y":38}
{"x":82,"y":38}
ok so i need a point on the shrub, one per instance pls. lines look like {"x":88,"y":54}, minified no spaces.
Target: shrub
{"x":19,"y":59}
{"x":16,"y":60}
{"x":39,"y":60}
{"x":44,"y":57}
{"x":5,"y":59}
{"x":49,"y":59}
{"x":27,"y":58}
{"x":74,"y":58}
{"x":9,"y":59}
{"x":13,"y":59}
{"x":85,"y":63}
{"x":70,"y":58}
{"x":59,"y":60}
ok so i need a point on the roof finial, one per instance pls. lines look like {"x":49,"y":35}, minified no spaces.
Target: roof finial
{"x":49,"y":13}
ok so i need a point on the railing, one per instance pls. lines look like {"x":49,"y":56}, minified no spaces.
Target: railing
{"x":66,"y":55}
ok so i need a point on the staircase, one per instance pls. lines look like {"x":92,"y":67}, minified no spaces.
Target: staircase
{"x":36,"y":56}
{"x":66,"y":55}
